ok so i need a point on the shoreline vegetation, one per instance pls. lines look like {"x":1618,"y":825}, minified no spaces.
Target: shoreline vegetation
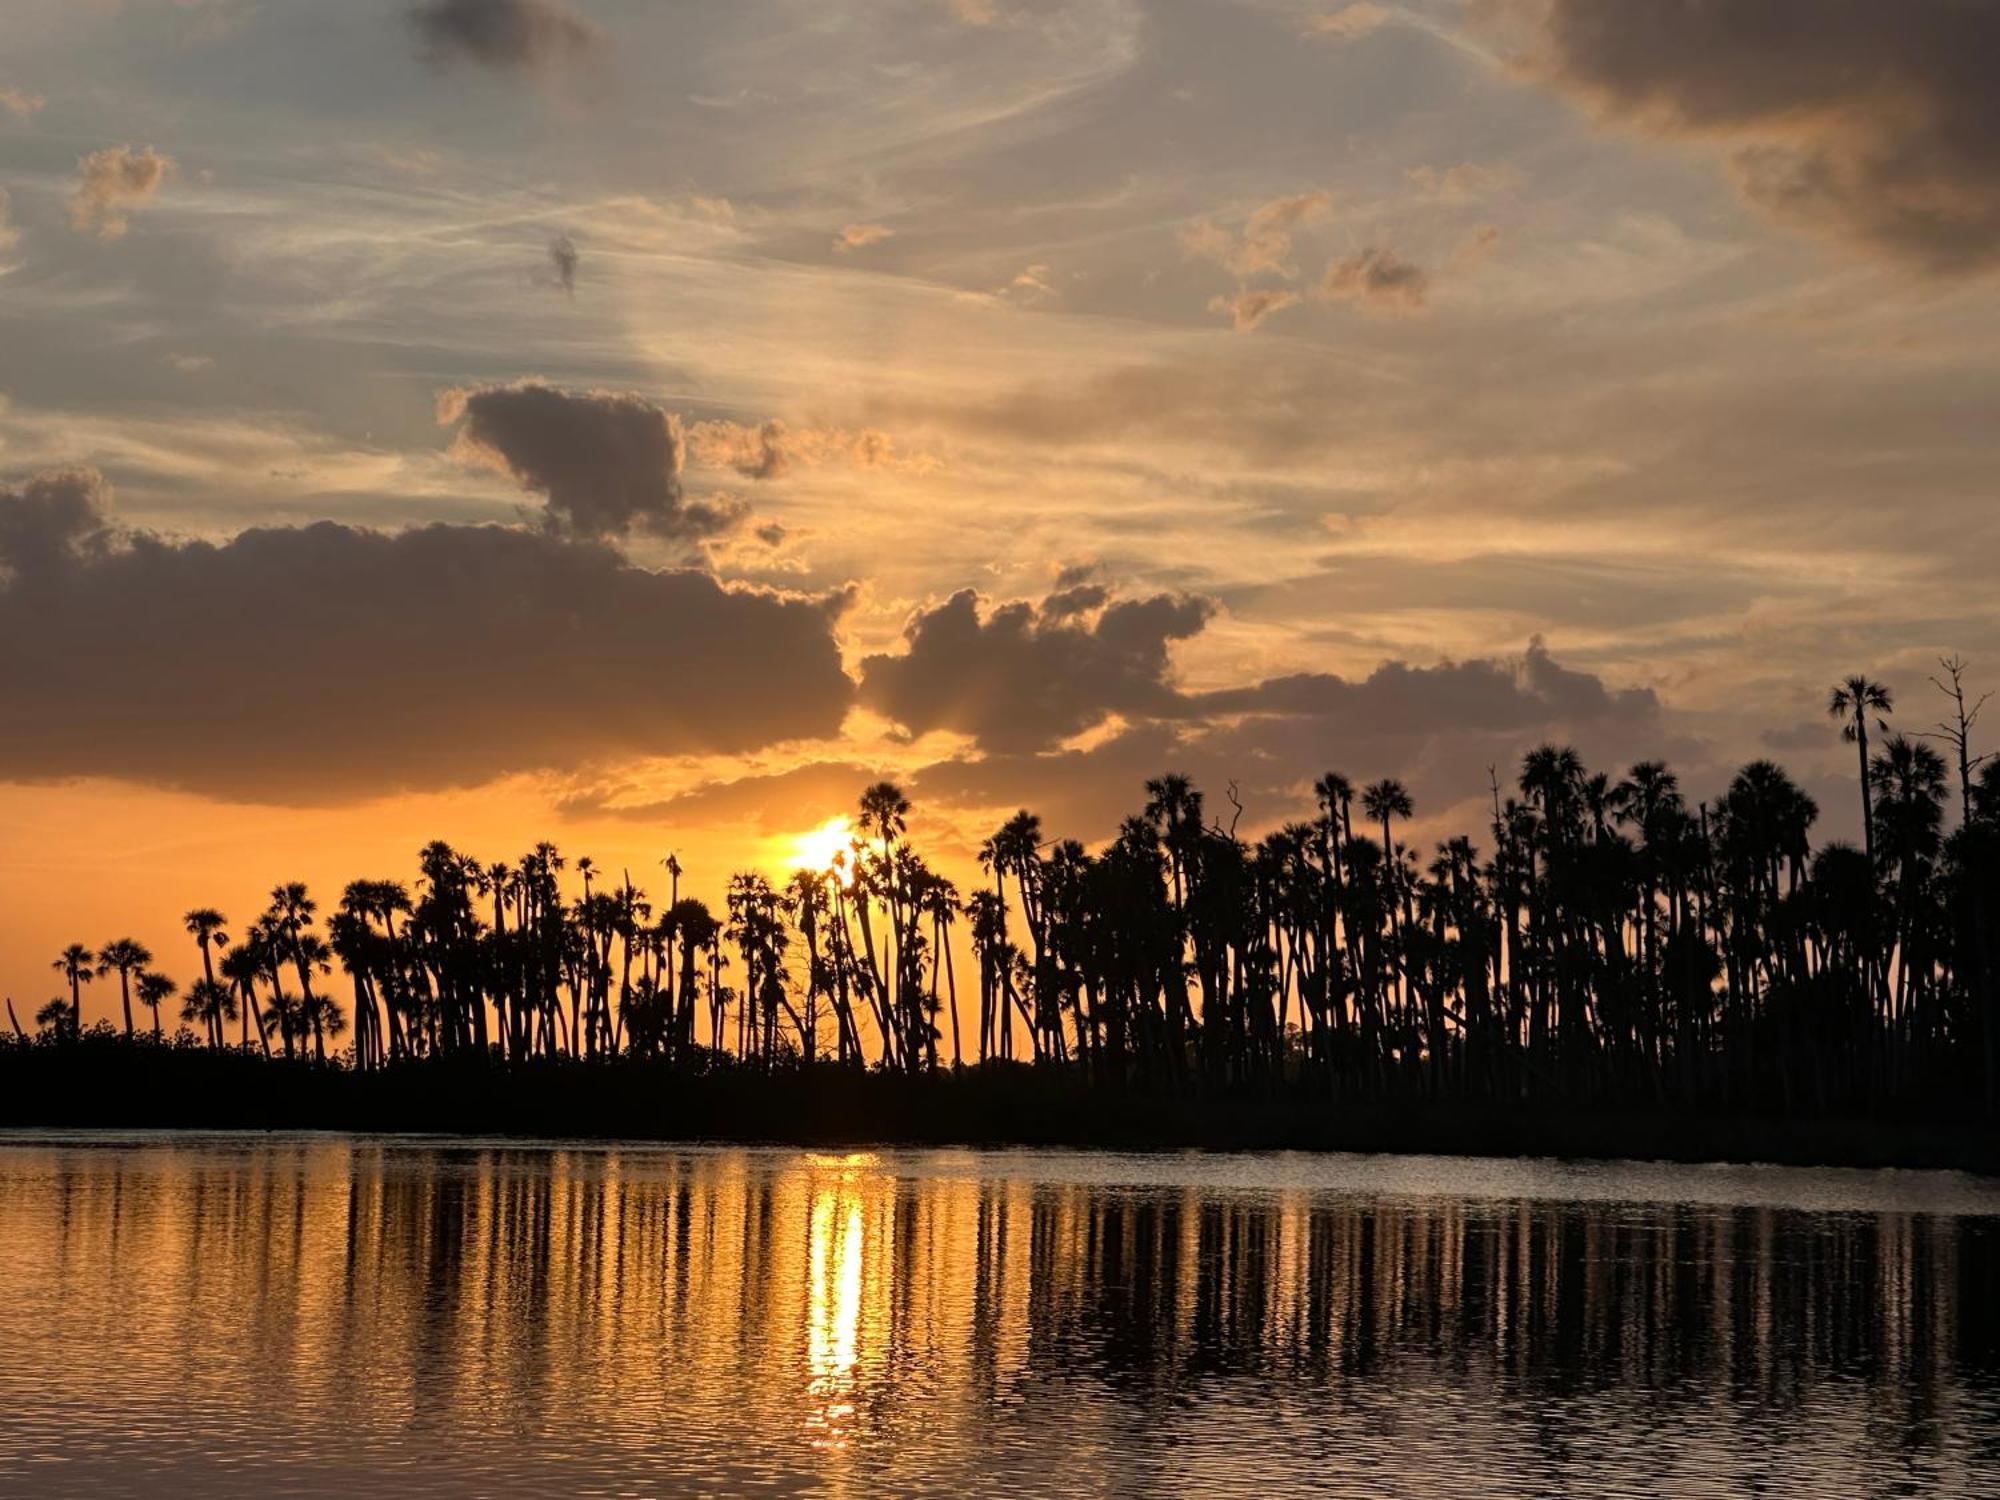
{"x":1618,"y":973}
{"x":107,"y":1083}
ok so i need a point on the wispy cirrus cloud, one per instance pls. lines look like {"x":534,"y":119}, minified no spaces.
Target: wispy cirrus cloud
{"x":1349,"y":21}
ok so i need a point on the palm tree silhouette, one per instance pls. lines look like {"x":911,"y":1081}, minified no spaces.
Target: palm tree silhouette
{"x":243,"y":966}
{"x":209,"y":1003}
{"x":124,"y":957}
{"x":204,"y":924}
{"x":56,"y":1019}
{"x":1615,"y":941}
{"x":154,"y":990}
{"x":77,"y":965}
{"x":1851,"y":702}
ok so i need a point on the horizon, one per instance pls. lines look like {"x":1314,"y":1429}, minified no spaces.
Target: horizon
{"x":501,"y":420}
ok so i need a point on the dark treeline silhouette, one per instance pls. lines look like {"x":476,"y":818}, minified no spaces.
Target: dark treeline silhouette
{"x":1613,"y":944}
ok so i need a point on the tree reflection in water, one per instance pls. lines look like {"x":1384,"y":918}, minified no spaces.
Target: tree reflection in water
{"x":444,"y":1320}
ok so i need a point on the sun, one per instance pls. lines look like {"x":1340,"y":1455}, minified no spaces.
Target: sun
{"x":817,"y":848}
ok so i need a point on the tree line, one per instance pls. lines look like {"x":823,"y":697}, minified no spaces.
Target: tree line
{"x":1610,"y":940}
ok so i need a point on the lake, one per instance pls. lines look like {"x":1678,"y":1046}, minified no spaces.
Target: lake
{"x":330,"y":1315}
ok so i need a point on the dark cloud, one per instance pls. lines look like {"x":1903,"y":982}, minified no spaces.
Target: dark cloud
{"x":54,"y":519}
{"x":523,"y":35}
{"x":1477,"y":695}
{"x":1076,"y":599}
{"x":1023,"y":677}
{"x":1438,"y":728}
{"x":1377,"y":279}
{"x":1877,"y":120}
{"x":606,"y":462}
{"x":112,"y":182}
{"x":326,"y":663}
{"x":563,"y":262}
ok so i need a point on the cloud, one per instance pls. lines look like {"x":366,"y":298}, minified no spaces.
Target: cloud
{"x":753,"y":452}
{"x":55,"y":518}
{"x":9,"y":235}
{"x":1349,"y":21}
{"x":1252,"y":305}
{"x":1029,"y":286}
{"x":1291,"y":405}
{"x":1463,"y":182}
{"x":21,"y":104}
{"x":772,"y":449}
{"x":1439,"y":728}
{"x":562,"y":261}
{"x":858,"y":236}
{"x":1478,"y":245}
{"x":1480,"y":695}
{"x":518,"y":35}
{"x":1875,"y":123}
{"x":1265,"y":244}
{"x":327,"y":663}
{"x":606,"y":462}
{"x":1377,"y":279}
{"x":112,"y":182}
{"x":1025,"y":678}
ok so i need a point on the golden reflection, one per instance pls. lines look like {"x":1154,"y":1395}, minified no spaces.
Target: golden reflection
{"x":744,"y":1321}
{"x":823,"y":1160}
{"x":833,"y":1315}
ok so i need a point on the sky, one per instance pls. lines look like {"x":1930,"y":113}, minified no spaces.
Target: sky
{"x":641,"y":425}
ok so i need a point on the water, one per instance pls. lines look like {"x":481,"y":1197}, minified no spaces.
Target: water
{"x":353,"y":1316}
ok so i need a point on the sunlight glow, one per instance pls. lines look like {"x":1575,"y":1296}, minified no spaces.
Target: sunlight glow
{"x":818,"y":848}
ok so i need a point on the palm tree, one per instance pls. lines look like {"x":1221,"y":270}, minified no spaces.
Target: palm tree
{"x":125,"y":957}
{"x":243,"y":966}
{"x":154,"y":989}
{"x":1621,"y":942}
{"x":204,"y":925}
{"x":57,"y":1019}
{"x":1385,"y":800}
{"x":209,"y":1003}
{"x":76,"y":965}
{"x":1851,"y":702}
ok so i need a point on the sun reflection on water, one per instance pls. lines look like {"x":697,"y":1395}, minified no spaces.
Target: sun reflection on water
{"x":833,"y":1317}
{"x":504,"y":1321}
